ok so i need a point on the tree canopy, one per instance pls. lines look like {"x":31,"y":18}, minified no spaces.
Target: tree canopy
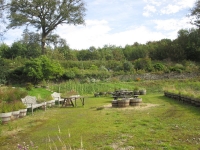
{"x":46,"y":15}
{"x":195,"y":12}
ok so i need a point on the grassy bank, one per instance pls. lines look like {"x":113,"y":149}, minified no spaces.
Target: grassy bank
{"x":159,"y":123}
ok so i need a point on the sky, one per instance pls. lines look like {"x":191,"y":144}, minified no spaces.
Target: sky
{"x":123,"y":22}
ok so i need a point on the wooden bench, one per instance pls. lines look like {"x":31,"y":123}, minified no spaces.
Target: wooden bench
{"x":31,"y":103}
{"x":57,"y":97}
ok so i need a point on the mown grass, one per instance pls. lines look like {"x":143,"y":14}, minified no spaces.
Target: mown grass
{"x":167,"y":125}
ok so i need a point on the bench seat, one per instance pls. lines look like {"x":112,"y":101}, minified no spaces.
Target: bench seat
{"x":31,"y":102}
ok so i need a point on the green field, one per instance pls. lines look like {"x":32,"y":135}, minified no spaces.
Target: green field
{"x":159,"y":123}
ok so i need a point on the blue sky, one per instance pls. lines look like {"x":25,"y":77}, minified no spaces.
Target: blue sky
{"x":122,"y":22}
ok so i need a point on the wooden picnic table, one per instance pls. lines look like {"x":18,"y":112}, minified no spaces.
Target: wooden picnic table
{"x":135,"y":96}
{"x":71,"y":101}
{"x":122,"y":94}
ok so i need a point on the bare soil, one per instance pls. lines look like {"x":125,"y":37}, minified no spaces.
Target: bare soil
{"x":143,"y":106}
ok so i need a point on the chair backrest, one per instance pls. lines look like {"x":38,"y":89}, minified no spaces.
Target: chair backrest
{"x":28,"y":100}
{"x":56,"y":95}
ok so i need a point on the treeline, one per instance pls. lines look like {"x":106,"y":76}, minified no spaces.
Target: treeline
{"x":22,"y":61}
{"x":185,"y":47}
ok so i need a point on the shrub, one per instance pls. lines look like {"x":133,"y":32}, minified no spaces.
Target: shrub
{"x":159,"y":67}
{"x":17,"y":105}
{"x":127,"y":66}
{"x":177,"y":68}
{"x":29,"y":86}
{"x":143,"y":63}
{"x":42,"y":68}
{"x":12,"y":94}
{"x":69,"y":74}
{"x":5,"y":107}
{"x":103,"y":68}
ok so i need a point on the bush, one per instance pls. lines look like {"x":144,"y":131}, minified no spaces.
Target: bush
{"x":12,"y":94}
{"x":177,"y":68}
{"x":10,"y":99}
{"x":127,"y":66}
{"x":29,"y":86}
{"x":143,"y":64}
{"x":5,"y":107}
{"x":69,"y":74}
{"x":159,"y":67}
{"x":42,"y":68}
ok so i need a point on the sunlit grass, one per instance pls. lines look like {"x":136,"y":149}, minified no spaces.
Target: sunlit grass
{"x":167,"y":125}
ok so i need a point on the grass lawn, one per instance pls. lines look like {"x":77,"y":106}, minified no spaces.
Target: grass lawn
{"x":159,"y":123}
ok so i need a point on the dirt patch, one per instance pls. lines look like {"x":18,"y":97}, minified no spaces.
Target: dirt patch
{"x":143,"y":106}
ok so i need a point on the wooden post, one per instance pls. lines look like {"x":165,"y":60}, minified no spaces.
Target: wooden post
{"x":32,"y":108}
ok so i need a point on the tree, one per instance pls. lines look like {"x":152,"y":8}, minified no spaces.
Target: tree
{"x":32,"y":42}
{"x":3,"y":49}
{"x":46,"y":15}
{"x":16,"y":49}
{"x":195,"y":12}
{"x":4,"y":71}
{"x":3,"y":7}
{"x":55,"y":41}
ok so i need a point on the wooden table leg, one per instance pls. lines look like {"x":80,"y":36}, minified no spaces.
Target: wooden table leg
{"x":64,"y":101}
{"x":71,"y":102}
{"x":82,"y":101}
{"x":75,"y":101}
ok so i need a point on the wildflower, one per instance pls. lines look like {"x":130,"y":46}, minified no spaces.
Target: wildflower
{"x":138,"y":79}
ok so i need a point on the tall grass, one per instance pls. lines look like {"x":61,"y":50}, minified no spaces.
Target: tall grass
{"x":152,"y":86}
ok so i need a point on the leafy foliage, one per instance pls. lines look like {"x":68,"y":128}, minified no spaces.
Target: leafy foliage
{"x":46,"y":15}
{"x":159,"y":67}
{"x":143,"y":63}
{"x":42,"y":68}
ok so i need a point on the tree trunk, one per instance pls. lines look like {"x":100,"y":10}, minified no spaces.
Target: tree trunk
{"x":43,"y":44}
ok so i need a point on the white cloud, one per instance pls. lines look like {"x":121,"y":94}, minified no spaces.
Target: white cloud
{"x":139,"y":34}
{"x":80,"y":37}
{"x":154,"y":2}
{"x":171,"y":9}
{"x":148,"y":10}
{"x":173,"y":24}
{"x":97,"y":34}
{"x":186,"y":3}
{"x":13,"y":35}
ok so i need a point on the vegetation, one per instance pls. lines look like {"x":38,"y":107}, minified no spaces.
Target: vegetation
{"x":195,"y":14}
{"x":22,"y":62}
{"x":46,"y":15}
{"x":159,"y":123}
{"x":10,"y":99}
